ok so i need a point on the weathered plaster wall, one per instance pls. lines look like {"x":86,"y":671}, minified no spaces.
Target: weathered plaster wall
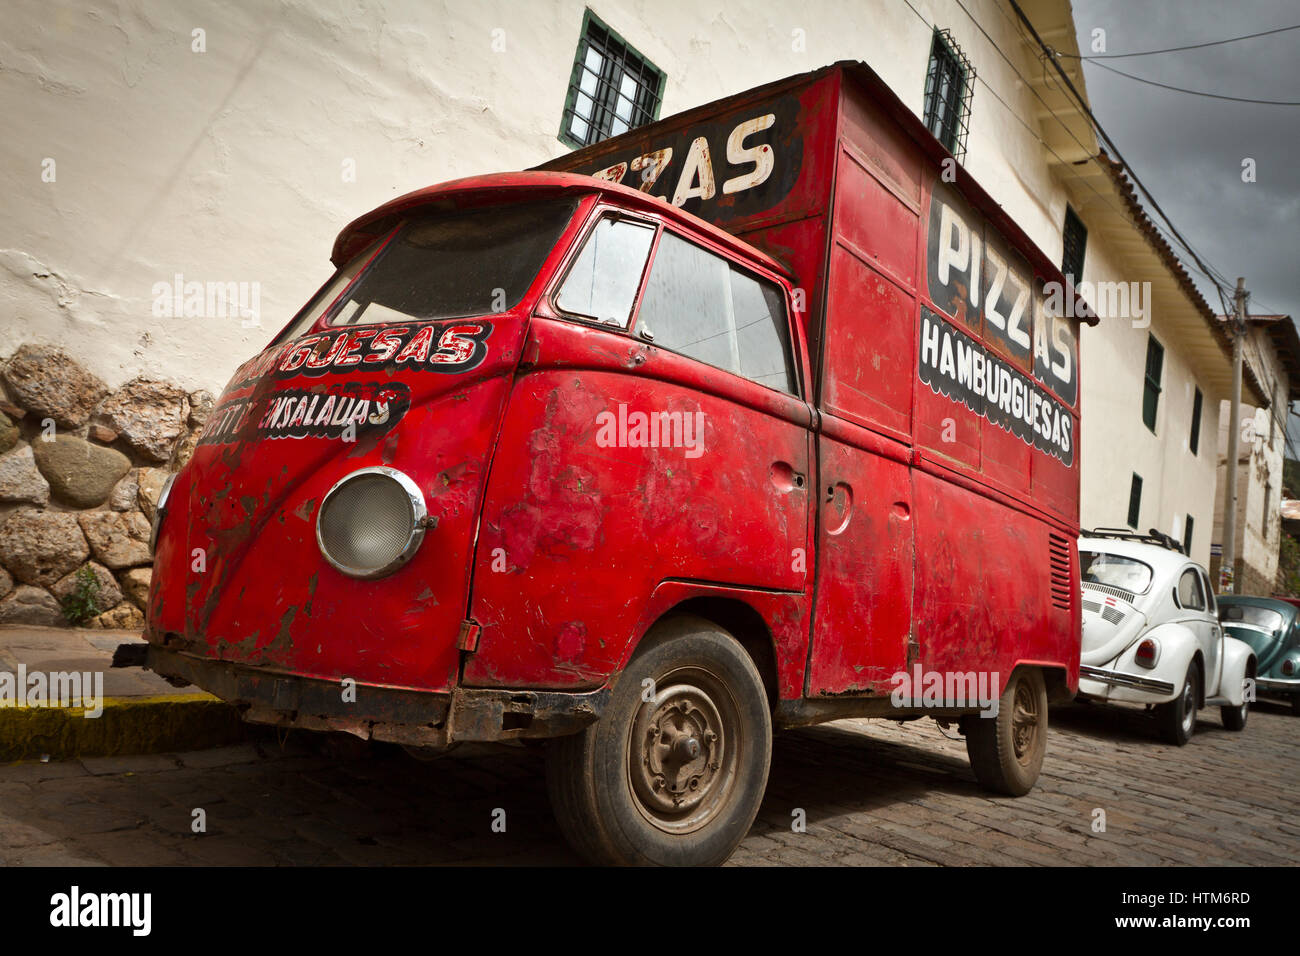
{"x":1116,"y":442}
{"x":228,"y":165}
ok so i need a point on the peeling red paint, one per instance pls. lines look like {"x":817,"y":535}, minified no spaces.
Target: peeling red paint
{"x":859,"y":538}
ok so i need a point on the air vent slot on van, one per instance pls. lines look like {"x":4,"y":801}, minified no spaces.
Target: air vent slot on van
{"x":1059,"y":557}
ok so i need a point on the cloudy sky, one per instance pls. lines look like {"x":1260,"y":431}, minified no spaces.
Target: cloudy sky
{"x":1188,"y":150}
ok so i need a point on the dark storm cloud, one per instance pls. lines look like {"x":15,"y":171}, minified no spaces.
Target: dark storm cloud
{"x":1188,"y":150}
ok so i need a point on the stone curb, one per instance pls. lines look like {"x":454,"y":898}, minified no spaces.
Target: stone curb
{"x":134,"y":725}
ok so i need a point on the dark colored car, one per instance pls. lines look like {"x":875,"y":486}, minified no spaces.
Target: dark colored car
{"x":1271,"y":626}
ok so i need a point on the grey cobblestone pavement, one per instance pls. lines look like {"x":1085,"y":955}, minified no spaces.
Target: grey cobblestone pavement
{"x":871,"y":792}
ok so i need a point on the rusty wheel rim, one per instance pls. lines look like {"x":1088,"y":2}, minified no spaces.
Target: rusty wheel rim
{"x":1025,"y":723}
{"x":682,"y":750}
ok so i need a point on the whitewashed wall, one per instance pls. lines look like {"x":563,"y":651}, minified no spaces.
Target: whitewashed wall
{"x":1259,"y":478}
{"x":228,"y":165}
{"x":1116,"y":442}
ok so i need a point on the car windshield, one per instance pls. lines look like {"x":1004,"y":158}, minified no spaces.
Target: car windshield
{"x":444,"y":265}
{"x":1261,"y":617}
{"x":1098,"y":567}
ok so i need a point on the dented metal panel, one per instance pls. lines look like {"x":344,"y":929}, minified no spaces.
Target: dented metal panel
{"x":901,"y":508}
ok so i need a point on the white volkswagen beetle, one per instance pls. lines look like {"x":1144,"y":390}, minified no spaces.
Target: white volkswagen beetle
{"x":1151,"y":633}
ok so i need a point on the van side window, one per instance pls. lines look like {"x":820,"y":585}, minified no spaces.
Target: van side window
{"x":1190,"y":595}
{"x":602,"y":284}
{"x":702,"y":306}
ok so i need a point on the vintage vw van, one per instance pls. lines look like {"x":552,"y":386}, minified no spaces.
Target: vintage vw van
{"x":785,"y":433}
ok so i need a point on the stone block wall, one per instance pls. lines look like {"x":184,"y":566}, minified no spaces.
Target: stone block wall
{"x":81,"y":468}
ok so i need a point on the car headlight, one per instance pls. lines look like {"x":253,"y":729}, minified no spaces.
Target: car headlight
{"x":371,"y":522}
{"x":158,"y":511}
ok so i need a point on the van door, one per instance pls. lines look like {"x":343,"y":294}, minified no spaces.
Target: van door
{"x":862,"y":621}
{"x":673,"y":450}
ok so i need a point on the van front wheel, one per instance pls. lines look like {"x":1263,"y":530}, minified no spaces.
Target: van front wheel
{"x":1006,"y":752}
{"x":674,"y":771}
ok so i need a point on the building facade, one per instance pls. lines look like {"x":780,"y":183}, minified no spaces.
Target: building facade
{"x":1271,"y":350}
{"x":175,"y":174}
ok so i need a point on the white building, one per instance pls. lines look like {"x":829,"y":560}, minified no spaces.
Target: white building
{"x":1153,"y":382}
{"x":1272,"y":351}
{"x":151,"y":147}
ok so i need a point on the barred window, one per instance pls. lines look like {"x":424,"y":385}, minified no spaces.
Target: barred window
{"x":1134,"y":501}
{"x":1151,"y":381}
{"x":1194,"y":441}
{"x":612,"y":89}
{"x":1076,"y":243}
{"x":949,"y":84}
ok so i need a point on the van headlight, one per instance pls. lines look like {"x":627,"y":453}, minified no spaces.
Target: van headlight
{"x":158,"y":511}
{"x":371,"y":522}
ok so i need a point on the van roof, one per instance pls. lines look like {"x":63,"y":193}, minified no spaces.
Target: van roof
{"x":497,"y":187}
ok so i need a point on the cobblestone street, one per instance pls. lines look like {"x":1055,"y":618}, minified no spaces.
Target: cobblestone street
{"x":871,"y":792}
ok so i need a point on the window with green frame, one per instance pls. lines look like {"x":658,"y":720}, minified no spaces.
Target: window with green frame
{"x":1074,"y":245}
{"x":1194,"y":440}
{"x":612,"y":88}
{"x":1134,"y":501}
{"x":1151,"y":384}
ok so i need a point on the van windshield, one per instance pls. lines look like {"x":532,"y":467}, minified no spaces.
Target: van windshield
{"x":1098,"y":567}
{"x":443,"y":265}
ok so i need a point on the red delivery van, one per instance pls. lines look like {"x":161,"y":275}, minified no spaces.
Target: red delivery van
{"x":759,"y":416}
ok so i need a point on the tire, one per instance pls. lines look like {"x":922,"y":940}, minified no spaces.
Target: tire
{"x":1006,"y":752}
{"x":1234,"y":718}
{"x":1178,"y":717}
{"x":1295,"y":706}
{"x":624,"y":794}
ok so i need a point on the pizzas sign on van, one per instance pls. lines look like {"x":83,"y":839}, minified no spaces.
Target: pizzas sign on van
{"x":721,"y":169}
{"x":977,"y":278}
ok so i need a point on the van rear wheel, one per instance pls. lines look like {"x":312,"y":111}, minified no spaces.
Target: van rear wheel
{"x":674,"y":771}
{"x":1006,"y":752}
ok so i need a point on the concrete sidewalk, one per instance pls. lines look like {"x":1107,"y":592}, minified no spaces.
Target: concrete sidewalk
{"x":112,"y":712}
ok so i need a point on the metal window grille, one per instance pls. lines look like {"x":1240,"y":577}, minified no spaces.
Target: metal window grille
{"x":612,"y":88}
{"x":949,"y":85}
{"x":1076,"y":243}
{"x":1194,"y":442}
{"x":1134,"y":501}
{"x":1151,"y":386}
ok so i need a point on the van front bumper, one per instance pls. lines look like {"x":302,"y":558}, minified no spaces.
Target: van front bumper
{"x":413,"y":718}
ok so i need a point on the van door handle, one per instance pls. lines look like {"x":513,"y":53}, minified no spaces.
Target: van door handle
{"x":785,"y":478}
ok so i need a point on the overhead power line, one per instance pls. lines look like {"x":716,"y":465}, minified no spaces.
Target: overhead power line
{"x":1050,"y":56}
{"x":1065,"y":166}
{"x":1179,"y":89}
{"x":1177,"y":49}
